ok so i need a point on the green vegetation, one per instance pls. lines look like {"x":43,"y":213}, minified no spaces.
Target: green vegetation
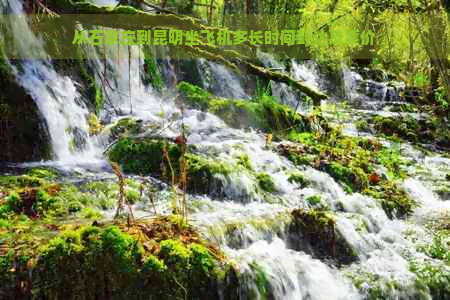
{"x":47,"y":246}
{"x":439,"y":248}
{"x":314,"y":200}
{"x":146,"y":157}
{"x":124,"y":127}
{"x":432,"y":130}
{"x":353,"y":163}
{"x":100,"y":261}
{"x":373,"y":286}
{"x":143,"y":157}
{"x":152,"y":73}
{"x":299,"y":178}
{"x":432,"y":280}
{"x":262,"y":112}
{"x":265,"y":182}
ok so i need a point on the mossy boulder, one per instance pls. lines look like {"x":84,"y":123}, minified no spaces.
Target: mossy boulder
{"x":265,"y":182}
{"x":202,"y":171}
{"x":143,"y":156}
{"x":431,"y":130}
{"x":262,"y":112}
{"x":299,"y":178}
{"x":432,"y":280}
{"x":146,"y":157}
{"x":105,"y":262}
{"x":353,"y":162}
{"x":314,"y":232}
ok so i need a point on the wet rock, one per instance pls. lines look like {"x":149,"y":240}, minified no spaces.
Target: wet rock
{"x":314,"y":232}
{"x":79,"y":140}
{"x":23,"y":131}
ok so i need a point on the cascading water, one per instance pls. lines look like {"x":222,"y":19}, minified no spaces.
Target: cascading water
{"x":55,"y":95}
{"x":220,"y":81}
{"x":383,"y":249}
{"x":371,"y":93}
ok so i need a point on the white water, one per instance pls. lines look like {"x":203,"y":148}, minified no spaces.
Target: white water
{"x":55,"y":95}
{"x":368,"y":93}
{"x":384,"y":247}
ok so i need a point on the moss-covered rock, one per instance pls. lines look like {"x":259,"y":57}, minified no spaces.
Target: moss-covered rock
{"x":265,"y":182}
{"x":374,"y":287}
{"x":431,"y":130}
{"x":115,"y":262}
{"x":263,"y":112}
{"x":314,"y":232}
{"x":353,"y":162}
{"x":146,"y":157}
{"x":143,"y":156}
{"x":201,"y":172}
{"x":299,"y":178}
{"x":433,"y":280}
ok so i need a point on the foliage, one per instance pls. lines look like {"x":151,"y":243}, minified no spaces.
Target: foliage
{"x":432,"y":279}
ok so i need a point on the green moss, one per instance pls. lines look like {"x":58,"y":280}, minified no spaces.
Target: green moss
{"x":99,"y":186}
{"x":125,"y":126}
{"x":353,"y":178}
{"x":244,"y":161}
{"x":361,"y":125}
{"x":432,"y":280}
{"x":21,"y":181}
{"x":405,"y":107}
{"x":262,"y":283}
{"x":13,"y":199}
{"x":374,"y":287}
{"x":265,"y":182}
{"x":443,"y":191}
{"x":6,"y":211}
{"x":394,"y":200}
{"x":352,"y":163}
{"x":433,"y":130}
{"x":44,"y":202}
{"x":302,"y":159}
{"x":194,"y":93}
{"x":314,"y":200}
{"x":315,"y":230}
{"x":132,"y":196}
{"x":152,"y":74}
{"x":262,"y":112}
{"x":143,"y":157}
{"x":146,"y":157}
{"x":90,"y":213}
{"x":201,"y":172}
{"x":82,"y":254}
{"x":299,"y":178}
{"x":439,"y":247}
{"x":43,"y":173}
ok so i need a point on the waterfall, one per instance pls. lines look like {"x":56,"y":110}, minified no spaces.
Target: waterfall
{"x":371,"y":92}
{"x":55,"y":95}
